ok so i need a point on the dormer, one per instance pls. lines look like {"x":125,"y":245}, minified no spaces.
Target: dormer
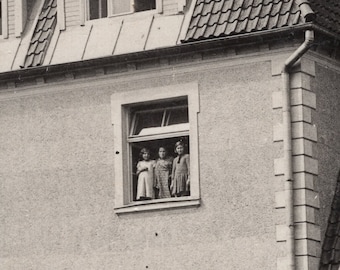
{"x":13,"y":17}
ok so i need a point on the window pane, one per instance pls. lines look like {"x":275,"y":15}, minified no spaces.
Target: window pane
{"x":147,"y":120}
{"x":141,"y":5}
{"x":178,"y":116}
{"x":94,"y":9}
{"x":103,"y":9}
{"x":120,"y":6}
{"x":97,"y":9}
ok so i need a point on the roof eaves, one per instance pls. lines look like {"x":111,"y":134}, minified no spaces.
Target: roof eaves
{"x":40,"y":71}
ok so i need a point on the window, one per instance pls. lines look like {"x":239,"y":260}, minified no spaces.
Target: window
{"x":97,"y":9}
{"x":151,"y":120}
{"x":3,"y":19}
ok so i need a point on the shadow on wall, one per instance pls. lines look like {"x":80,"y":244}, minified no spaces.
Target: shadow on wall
{"x":330,"y":257}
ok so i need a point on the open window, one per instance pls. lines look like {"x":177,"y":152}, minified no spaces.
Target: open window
{"x":97,"y":9}
{"x":155,"y":119}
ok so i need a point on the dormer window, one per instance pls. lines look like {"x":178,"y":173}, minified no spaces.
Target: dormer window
{"x":97,"y":9}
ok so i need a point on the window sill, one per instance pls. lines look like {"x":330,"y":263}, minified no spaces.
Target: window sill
{"x":158,"y":204}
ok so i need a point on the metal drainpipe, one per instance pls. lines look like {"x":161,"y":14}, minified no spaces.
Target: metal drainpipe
{"x":287,"y":143}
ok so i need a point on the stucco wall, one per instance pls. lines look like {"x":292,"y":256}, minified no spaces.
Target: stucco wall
{"x":57,"y":185}
{"x":327,"y":118}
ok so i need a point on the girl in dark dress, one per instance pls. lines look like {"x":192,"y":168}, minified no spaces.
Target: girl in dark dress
{"x":180,"y":180}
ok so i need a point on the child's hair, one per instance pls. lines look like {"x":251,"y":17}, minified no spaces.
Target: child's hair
{"x":179,"y":143}
{"x":159,"y":148}
{"x":143,"y":151}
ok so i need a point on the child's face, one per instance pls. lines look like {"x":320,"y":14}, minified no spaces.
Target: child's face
{"x":161,"y":152}
{"x":180,"y":149}
{"x":146,"y":155}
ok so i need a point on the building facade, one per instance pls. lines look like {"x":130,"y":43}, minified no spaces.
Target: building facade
{"x":251,"y":88}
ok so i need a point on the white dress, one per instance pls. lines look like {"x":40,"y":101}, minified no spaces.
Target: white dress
{"x":145,"y":180}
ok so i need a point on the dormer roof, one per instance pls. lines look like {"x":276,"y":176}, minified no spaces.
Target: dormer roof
{"x":220,"y":18}
{"x":330,"y":257}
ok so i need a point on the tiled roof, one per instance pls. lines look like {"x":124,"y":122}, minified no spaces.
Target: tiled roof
{"x":42,"y":34}
{"x":218,"y":18}
{"x":330,"y":257}
{"x":327,"y":14}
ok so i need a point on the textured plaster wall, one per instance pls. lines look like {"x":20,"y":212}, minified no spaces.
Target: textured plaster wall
{"x":327,"y":116}
{"x":57,"y":180}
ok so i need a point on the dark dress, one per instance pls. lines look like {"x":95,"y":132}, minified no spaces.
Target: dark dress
{"x":180,"y":175}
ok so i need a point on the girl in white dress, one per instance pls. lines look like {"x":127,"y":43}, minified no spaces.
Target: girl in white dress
{"x":145,"y":173}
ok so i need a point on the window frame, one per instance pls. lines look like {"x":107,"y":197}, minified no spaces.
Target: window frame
{"x":86,"y":3}
{"x":4,"y":19}
{"x":120,"y":104}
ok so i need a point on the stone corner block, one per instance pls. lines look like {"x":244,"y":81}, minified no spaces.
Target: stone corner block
{"x":304,"y":130}
{"x":301,"y":96}
{"x":305,"y":164}
{"x":277,"y":99}
{"x":301,"y":80}
{"x":280,"y":199}
{"x":306,"y":197}
{"x":304,"y":213}
{"x":307,"y":263}
{"x":281,"y":233}
{"x":306,"y":247}
{"x":302,"y":146}
{"x":308,"y":66}
{"x":279,"y":166}
{"x":281,"y":263}
{"x":278,"y":132}
{"x":301,"y":113}
{"x":307,"y":231}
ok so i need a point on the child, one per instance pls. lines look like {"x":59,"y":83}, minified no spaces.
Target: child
{"x":180,"y":184}
{"x":145,"y":173}
{"x":163,"y":173}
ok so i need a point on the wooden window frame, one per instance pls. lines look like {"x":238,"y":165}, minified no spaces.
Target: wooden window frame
{"x":85,"y":7}
{"x":4,"y":19}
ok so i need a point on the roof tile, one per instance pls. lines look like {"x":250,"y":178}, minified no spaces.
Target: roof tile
{"x":216,"y":18}
{"x":331,"y":245}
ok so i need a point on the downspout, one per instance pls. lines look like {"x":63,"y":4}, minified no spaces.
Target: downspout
{"x":308,"y":15}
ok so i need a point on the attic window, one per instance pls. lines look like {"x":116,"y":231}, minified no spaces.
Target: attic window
{"x":97,"y":9}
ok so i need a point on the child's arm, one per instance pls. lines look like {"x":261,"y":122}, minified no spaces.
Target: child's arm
{"x":187,"y":160}
{"x":173,"y":174}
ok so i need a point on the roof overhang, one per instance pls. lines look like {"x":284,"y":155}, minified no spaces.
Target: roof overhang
{"x":184,"y":48}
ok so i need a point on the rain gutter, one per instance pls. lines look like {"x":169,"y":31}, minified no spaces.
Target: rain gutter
{"x":309,"y":16}
{"x":187,"y":47}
